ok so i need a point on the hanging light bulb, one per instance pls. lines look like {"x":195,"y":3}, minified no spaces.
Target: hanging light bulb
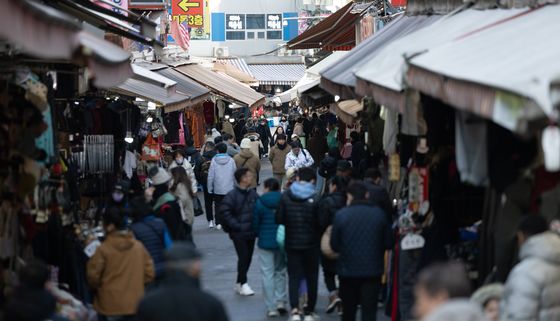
{"x":151,"y":105}
{"x":231,"y":120}
{"x":129,"y":139}
{"x":551,"y":148}
{"x":336,"y":98}
{"x":149,"y":119}
{"x":227,"y":116}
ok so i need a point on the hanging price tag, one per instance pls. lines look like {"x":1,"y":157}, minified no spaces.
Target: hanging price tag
{"x":412,"y":242}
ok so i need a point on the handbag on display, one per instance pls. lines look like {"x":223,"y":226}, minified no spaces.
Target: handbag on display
{"x":150,"y":149}
{"x":326,"y":248}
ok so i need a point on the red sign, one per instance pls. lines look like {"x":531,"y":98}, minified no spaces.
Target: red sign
{"x":191,"y":11}
{"x":187,"y":7}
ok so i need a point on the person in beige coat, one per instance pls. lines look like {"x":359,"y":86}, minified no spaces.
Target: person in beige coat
{"x":277,"y":157}
{"x":119,"y":269}
{"x":247,"y":159}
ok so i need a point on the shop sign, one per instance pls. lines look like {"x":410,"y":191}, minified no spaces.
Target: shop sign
{"x":235,"y":21}
{"x":190,"y":11}
{"x":274,"y":21}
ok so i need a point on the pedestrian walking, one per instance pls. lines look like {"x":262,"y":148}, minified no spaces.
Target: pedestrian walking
{"x":232,"y":147}
{"x":533,"y":286}
{"x":220,"y":179}
{"x":327,"y":167}
{"x":151,"y":232}
{"x":246,"y":159}
{"x":279,"y":131}
{"x":180,"y":297}
{"x":192,"y":155}
{"x":488,"y":297}
{"x":298,"y":213}
{"x":179,"y":161}
{"x":277,"y":158}
{"x":378,"y":195}
{"x":202,"y":169}
{"x":360,"y":234}
{"x":182,"y":189}
{"x":166,"y":205}
{"x":272,"y":258}
{"x":236,"y":210}
{"x":317,"y":145}
{"x":119,"y":270}
{"x":437,"y":285}
{"x":298,"y":157}
{"x":333,"y":201}
{"x":264,"y":132}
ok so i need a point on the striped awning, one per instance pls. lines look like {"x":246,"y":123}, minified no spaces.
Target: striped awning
{"x":278,"y":74}
{"x":239,"y":63}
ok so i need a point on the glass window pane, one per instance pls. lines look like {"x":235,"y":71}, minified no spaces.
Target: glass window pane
{"x":274,"y":34}
{"x":261,"y":34}
{"x":274,"y":21}
{"x":235,"y":35}
{"x":255,"y":21}
{"x":250,"y":35}
{"x":235,"y":21}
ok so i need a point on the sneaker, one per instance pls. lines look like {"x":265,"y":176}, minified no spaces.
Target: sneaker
{"x":295,"y":315}
{"x":281,"y":307}
{"x":237,"y":288}
{"x":219,"y":226}
{"x":311,"y":317}
{"x":211,"y":224}
{"x":334,"y":301}
{"x":246,"y":290}
{"x":273,"y":314}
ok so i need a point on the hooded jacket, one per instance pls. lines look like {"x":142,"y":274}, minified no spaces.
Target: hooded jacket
{"x":192,"y":155}
{"x":532,"y":291}
{"x":298,"y":213}
{"x":201,"y":172}
{"x":220,"y":174}
{"x":247,"y":159}
{"x":264,"y":220}
{"x":153,"y":234}
{"x":457,"y":310}
{"x":277,"y":157}
{"x":118,"y":272}
{"x":236,"y":210}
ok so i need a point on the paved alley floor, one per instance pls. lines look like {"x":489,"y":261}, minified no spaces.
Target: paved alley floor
{"x":219,"y":272}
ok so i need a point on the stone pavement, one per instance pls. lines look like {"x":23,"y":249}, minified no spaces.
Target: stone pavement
{"x":219,"y":272}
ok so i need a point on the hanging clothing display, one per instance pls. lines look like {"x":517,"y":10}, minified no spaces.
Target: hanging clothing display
{"x":471,"y":148}
{"x":209,"y":114}
{"x":390,"y":131}
{"x":221,"y":108}
{"x":195,"y":120}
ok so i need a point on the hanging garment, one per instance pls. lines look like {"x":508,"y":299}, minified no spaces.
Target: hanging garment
{"x":208,"y":112}
{"x":130,"y":163}
{"x":471,"y":148}
{"x":172,"y":124}
{"x":390,"y":131}
{"x":46,"y":140}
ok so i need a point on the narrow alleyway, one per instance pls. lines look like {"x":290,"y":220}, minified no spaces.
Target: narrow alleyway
{"x":219,"y":271}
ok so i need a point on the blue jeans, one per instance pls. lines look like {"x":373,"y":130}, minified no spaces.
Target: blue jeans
{"x":273,"y":270}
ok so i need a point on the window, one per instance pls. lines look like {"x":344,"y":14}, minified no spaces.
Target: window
{"x":255,"y":21}
{"x":273,"y":35}
{"x":235,"y":35}
{"x":250,"y":35}
{"x":274,"y":21}
{"x":235,"y":21}
{"x":261,"y":34}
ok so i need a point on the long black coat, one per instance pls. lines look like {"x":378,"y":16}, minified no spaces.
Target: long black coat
{"x":179,"y":298}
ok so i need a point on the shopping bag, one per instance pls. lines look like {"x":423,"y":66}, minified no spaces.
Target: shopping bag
{"x":150,"y":149}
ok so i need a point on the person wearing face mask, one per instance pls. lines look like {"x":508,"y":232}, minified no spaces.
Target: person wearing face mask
{"x":118,"y":197}
{"x":264,"y":131}
{"x":277,"y":157}
{"x":179,"y":160}
{"x":279,"y":131}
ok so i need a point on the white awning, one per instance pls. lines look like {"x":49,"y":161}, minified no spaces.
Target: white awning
{"x":311,"y":77}
{"x":387,"y":69}
{"x":505,"y":72}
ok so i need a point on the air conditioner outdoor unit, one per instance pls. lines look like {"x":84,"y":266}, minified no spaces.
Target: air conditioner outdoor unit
{"x":221,"y":52}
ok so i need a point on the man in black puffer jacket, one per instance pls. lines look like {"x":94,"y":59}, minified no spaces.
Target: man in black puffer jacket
{"x":236,"y":210}
{"x":298,"y":213}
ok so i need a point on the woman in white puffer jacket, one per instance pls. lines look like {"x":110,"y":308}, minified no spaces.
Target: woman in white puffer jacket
{"x":532,"y":291}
